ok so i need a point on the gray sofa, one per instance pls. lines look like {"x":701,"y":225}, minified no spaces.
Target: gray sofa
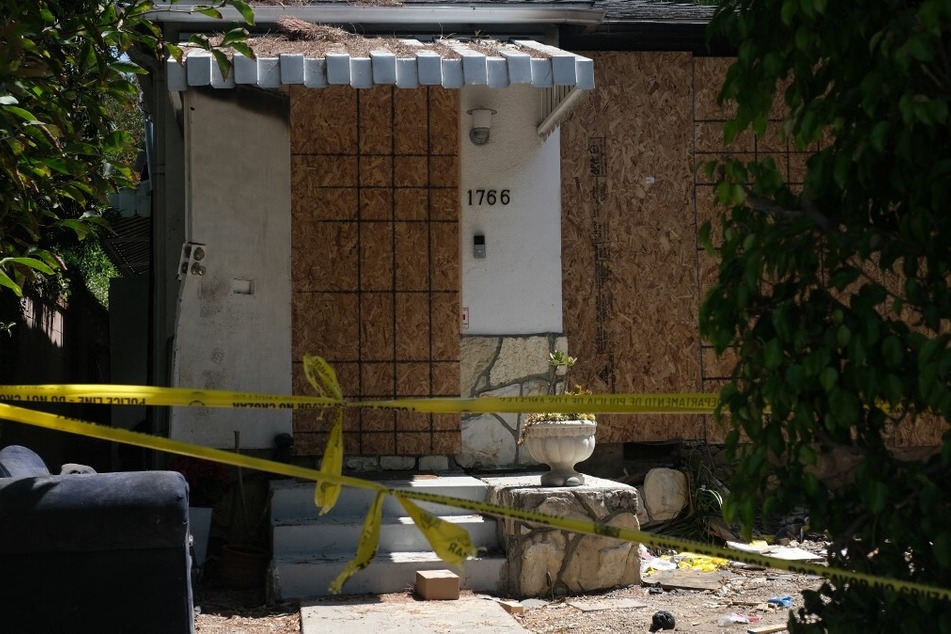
{"x":102,"y":552}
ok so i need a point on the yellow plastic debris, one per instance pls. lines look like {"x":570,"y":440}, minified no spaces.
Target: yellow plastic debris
{"x":703,"y":563}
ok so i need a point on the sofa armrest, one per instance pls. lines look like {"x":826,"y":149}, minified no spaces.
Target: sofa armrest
{"x":95,"y":512}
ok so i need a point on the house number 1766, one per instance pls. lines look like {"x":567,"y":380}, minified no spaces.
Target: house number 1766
{"x":488,"y":196}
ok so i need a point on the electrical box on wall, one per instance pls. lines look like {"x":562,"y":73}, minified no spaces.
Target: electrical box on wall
{"x":192,"y":259}
{"x":478,"y":246}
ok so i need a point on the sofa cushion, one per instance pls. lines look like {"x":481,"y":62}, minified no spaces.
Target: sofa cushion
{"x":20,"y":462}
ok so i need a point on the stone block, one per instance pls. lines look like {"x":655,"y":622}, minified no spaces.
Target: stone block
{"x":486,"y":442}
{"x":475,"y":359}
{"x":519,"y":358}
{"x":362,"y":463}
{"x":397,"y":463}
{"x":434,"y":463}
{"x":437,"y":585}
{"x":543,"y":560}
{"x":665,"y":493}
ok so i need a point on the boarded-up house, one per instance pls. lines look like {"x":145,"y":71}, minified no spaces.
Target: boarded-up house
{"x":331,"y":198}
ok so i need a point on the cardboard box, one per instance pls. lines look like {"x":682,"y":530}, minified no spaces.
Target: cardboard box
{"x":437,"y":585}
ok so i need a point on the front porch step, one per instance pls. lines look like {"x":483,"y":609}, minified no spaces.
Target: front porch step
{"x":294,"y":501}
{"x":311,"y":550}
{"x":393,"y":572}
{"x":334,"y":536}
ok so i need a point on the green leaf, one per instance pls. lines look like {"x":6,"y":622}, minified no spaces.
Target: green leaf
{"x":245,"y":9}
{"x":234,"y":35}
{"x":61,"y":165}
{"x":807,"y":455}
{"x":828,"y":378}
{"x":892,"y":351}
{"x":773,"y":354}
{"x":211,"y":12}
{"x":129,"y":67}
{"x":842,"y":336}
{"x":224,"y":64}
{"x":33,"y":263}
{"x":175,"y":52}
{"x":26,"y":115}
{"x":80,"y":228}
{"x":244,"y":49}
{"x":877,"y":496}
{"x":13,"y":286}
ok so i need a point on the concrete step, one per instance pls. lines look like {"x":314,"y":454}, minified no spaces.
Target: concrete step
{"x":335,"y":537}
{"x":293,"y":501}
{"x":394,"y":572}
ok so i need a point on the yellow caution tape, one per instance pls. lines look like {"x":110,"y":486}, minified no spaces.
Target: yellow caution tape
{"x":450,"y":541}
{"x":142,"y":395}
{"x":171,"y":396}
{"x":447,"y":543}
{"x":366,"y":548}
{"x":324,"y":380}
{"x":585,"y":526}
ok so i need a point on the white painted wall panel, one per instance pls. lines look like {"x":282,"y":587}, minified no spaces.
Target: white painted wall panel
{"x":516,"y":289}
{"x":238,"y":206}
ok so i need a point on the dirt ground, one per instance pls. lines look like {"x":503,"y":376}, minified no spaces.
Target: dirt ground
{"x":740,"y":593}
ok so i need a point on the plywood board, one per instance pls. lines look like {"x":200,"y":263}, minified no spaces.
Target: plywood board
{"x":375,"y":124}
{"x":686,"y":580}
{"x":327,"y":115}
{"x":376,"y":259}
{"x":629,"y":239}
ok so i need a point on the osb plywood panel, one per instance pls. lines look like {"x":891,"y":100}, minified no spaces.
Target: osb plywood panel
{"x":320,"y":203}
{"x":925,"y":431}
{"x":325,"y":116}
{"x":412,"y":327}
{"x":412,"y":256}
{"x":413,"y":203}
{"x":444,"y":203}
{"x":314,"y":333}
{"x":375,"y":124}
{"x":376,"y":327}
{"x":711,"y":71}
{"x":629,"y":239}
{"x":376,"y":260}
{"x":376,"y":256}
{"x":443,"y":120}
{"x":411,"y":136}
{"x":332,"y":268}
{"x":444,"y":251}
{"x":413,"y":379}
{"x":411,"y":171}
{"x":376,"y":203}
{"x":444,"y":311}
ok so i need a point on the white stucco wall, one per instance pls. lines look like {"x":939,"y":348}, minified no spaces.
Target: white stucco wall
{"x":238,"y":206}
{"x":516,"y":289}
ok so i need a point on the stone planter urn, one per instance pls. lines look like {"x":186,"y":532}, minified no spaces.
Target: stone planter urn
{"x":561,"y":444}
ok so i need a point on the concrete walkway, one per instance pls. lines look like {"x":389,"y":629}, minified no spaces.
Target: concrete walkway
{"x":368,"y":615}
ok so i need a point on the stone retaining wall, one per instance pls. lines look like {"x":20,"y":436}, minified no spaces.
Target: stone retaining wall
{"x":502,"y":366}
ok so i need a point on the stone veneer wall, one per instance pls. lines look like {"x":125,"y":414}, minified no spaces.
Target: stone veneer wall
{"x":502,"y":366}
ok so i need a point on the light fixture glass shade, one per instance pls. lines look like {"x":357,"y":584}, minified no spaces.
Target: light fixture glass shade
{"x":481,"y":122}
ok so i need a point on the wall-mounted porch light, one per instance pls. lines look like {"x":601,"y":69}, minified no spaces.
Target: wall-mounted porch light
{"x":481,"y":122}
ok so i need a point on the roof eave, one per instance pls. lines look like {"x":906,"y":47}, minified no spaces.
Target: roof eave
{"x":395,"y":16}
